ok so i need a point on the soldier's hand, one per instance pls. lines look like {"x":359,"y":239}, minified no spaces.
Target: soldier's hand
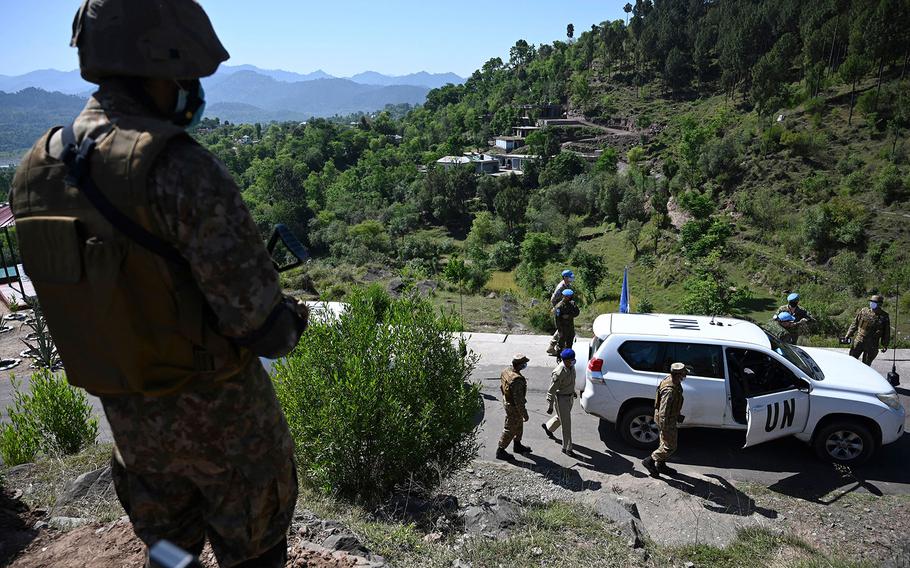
{"x":300,"y":309}
{"x":526,"y":417}
{"x":884,"y":349}
{"x":680,"y":419}
{"x":550,"y":408}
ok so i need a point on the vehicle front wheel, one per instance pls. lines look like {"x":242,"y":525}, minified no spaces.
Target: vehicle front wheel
{"x":637,"y":427}
{"x":847,"y":443}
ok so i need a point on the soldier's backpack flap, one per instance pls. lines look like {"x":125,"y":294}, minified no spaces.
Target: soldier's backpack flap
{"x":51,"y":249}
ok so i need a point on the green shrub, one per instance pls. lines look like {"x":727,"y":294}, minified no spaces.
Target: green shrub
{"x":592,"y":270}
{"x":805,"y":144}
{"x":541,"y":319}
{"x":889,"y":184}
{"x":505,"y":255}
{"x":644,"y":306}
{"x":54,"y":418}
{"x":379,"y":399}
{"x":530,"y":278}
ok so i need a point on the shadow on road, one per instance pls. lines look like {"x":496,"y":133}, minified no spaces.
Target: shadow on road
{"x":814,"y":479}
{"x":565,"y":477}
{"x":724,"y":497}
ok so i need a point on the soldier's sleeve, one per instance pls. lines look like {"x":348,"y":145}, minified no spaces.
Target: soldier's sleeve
{"x":519,"y":394}
{"x":554,"y":385}
{"x":199,"y":206}
{"x":854,"y":325}
{"x":886,"y":333}
{"x":666,"y":402}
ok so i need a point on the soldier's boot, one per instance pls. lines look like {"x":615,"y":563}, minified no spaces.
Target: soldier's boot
{"x":663,"y":468}
{"x":502,"y":454}
{"x":547,"y":431}
{"x":650,"y":466}
{"x":520,"y":448}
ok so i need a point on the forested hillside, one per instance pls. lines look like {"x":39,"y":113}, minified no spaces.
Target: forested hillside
{"x":726,"y":152}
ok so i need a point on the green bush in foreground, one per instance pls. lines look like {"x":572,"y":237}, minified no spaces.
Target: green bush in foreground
{"x":379,"y":398}
{"x":53,"y":418}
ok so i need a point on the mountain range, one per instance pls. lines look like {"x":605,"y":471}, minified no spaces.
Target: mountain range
{"x":71,"y":83}
{"x":246,"y":93}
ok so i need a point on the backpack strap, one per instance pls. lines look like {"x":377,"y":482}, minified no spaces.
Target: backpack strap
{"x":77,"y":159}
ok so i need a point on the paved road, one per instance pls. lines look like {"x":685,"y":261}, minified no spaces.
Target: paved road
{"x":787,"y":466}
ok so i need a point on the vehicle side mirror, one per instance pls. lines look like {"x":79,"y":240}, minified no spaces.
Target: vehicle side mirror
{"x":291,"y":243}
{"x":803,"y":385}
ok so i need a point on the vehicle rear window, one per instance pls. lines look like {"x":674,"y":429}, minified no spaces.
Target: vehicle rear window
{"x":657,"y":356}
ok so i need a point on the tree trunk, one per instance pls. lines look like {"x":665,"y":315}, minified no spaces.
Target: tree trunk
{"x":852,"y":98}
{"x":906,"y":58}
{"x":878,"y":88}
{"x":831,"y":51}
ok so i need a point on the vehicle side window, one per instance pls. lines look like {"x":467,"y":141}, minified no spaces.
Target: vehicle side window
{"x":757,"y":373}
{"x":644,"y":355}
{"x":704,"y":360}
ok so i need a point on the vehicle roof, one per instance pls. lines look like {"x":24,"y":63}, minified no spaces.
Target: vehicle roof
{"x":681,"y":326}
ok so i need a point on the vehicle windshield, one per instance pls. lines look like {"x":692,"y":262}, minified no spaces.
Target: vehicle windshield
{"x":796,"y":356}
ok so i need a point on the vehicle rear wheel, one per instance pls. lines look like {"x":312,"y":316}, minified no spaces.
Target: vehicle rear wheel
{"x":846,"y":442}
{"x":637,"y":427}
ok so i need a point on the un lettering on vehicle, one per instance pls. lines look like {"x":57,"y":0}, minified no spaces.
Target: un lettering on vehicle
{"x":774,"y":415}
{"x":681,"y":323}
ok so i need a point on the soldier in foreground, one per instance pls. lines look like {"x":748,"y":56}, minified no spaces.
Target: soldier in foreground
{"x":158,"y":290}
{"x":666,"y":413}
{"x":870,"y":328}
{"x":561,"y":395}
{"x":514,"y":388}
{"x":795,"y":325}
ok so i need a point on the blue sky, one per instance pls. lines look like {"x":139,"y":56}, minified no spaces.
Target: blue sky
{"x":342,"y":37}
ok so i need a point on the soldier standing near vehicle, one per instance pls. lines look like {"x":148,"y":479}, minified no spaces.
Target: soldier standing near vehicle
{"x":158,"y":290}
{"x":565,"y":312}
{"x":666,"y":414}
{"x":567,"y":283}
{"x":871,"y":327}
{"x":514,"y":388}
{"x":561,"y":394}
{"x":795,"y":325}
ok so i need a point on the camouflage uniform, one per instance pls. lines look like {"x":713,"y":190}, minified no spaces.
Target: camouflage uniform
{"x":666,"y":413}
{"x":869,"y":327}
{"x":792,"y":330}
{"x":212,"y":460}
{"x":561,"y":395}
{"x":566,"y":312}
{"x":514,"y":388}
{"x":555,"y":298}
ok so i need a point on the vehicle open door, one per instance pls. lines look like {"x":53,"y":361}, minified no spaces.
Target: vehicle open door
{"x":775,"y":415}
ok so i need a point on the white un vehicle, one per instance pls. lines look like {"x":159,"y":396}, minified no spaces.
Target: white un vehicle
{"x":740,"y":378}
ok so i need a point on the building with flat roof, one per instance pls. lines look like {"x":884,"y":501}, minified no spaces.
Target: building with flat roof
{"x":509,"y":143}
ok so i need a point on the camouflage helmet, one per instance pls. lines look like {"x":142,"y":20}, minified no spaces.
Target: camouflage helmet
{"x":165,"y":39}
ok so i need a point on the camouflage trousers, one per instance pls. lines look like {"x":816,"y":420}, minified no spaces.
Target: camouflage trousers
{"x":668,"y":441}
{"x":866,"y":350}
{"x":212,"y":461}
{"x":514,"y":426}
{"x":563,"y":338}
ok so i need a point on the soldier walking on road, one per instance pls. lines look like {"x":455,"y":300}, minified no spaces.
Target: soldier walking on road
{"x":794,"y":325}
{"x":666,"y":414}
{"x":561,"y":395}
{"x":514,"y":388}
{"x":158,"y":290}
{"x":871,"y":327}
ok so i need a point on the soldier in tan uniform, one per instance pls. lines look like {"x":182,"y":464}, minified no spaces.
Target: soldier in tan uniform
{"x":666,"y":413}
{"x":514,"y":388}
{"x":561,"y":395}
{"x":870,"y":328}
{"x":158,"y":290}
